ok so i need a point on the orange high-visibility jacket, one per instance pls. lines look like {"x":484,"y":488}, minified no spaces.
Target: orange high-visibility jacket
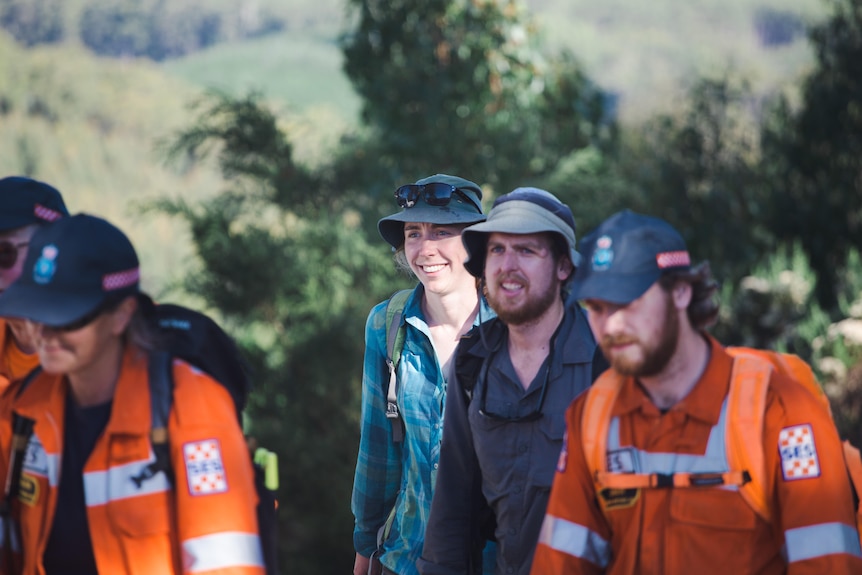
{"x":14,"y":364}
{"x":667,"y":496}
{"x":206,"y":523}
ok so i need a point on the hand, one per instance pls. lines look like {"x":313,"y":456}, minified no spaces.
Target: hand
{"x":365,"y":566}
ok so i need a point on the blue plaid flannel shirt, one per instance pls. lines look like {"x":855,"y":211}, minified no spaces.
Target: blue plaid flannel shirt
{"x":401,"y":475}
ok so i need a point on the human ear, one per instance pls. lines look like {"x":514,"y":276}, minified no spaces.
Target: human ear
{"x":121,"y":317}
{"x":681,"y":293}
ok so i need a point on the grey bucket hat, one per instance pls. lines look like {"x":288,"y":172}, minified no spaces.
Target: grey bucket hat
{"x":521,"y":211}
{"x":466,"y":209}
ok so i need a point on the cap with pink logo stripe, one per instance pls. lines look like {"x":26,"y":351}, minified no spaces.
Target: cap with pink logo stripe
{"x":25,"y":201}
{"x":73,"y":267}
{"x":625,"y":255}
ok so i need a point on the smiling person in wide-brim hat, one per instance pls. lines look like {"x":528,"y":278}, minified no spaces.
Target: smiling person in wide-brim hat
{"x":426,"y":236}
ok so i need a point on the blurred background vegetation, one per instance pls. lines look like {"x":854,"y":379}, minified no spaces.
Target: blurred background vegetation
{"x":248,"y":147}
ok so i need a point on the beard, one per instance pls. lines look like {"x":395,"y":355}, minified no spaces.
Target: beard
{"x":534,"y":306}
{"x":655,"y":355}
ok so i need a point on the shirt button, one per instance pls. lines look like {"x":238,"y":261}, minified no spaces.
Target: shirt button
{"x":435,"y":466}
{"x":436,"y":426}
{"x":518,"y":489}
{"x":510,"y":569}
{"x":512,"y":531}
{"x":523,"y":449}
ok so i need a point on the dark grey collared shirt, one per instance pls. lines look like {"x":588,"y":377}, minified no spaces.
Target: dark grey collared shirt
{"x":510,"y":463}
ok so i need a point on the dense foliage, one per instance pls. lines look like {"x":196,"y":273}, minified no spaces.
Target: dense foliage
{"x":288,"y":254}
{"x":465,"y":87}
{"x":821,"y":152}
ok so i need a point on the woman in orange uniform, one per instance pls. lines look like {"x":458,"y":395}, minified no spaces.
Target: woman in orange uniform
{"x":89,"y":499}
{"x":25,"y":206}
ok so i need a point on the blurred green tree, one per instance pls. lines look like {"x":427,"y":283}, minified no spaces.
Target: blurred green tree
{"x":700,"y":169}
{"x":817,"y":153}
{"x":285,"y":262}
{"x":464,"y":87}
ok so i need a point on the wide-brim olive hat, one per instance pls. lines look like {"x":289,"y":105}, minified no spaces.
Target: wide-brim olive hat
{"x":521,"y":211}
{"x":461,"y":209}
{"x":73,"y":266}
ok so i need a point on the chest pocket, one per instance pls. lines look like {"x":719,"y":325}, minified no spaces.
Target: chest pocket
{"x":138,"y":503}
{"x":712,"y":508}
{"x":706,"y":523}
{"x":493,"y":442}
{"x":140,"y":513}
{"x":546,"y":452}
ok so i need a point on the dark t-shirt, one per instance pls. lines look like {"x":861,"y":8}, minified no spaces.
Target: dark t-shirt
{"x":70,"y":550}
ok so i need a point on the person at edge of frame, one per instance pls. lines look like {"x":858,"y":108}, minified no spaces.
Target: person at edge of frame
{"x":25,"y":205}
{"x":90,"y":498}
{"x":651,"y":481}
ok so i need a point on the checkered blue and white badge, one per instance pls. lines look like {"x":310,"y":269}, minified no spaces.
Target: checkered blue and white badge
{"x":204,"y":467}
{"x":798,"y":454}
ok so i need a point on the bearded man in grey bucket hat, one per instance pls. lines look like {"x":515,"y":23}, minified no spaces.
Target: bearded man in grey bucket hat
{"x":515,"y":375}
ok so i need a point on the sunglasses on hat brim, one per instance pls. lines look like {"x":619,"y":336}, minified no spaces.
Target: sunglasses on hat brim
{"x":435,"y":194}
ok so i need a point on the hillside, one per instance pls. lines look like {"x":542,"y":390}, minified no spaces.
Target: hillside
{"x":649,"y":52}
{"x":91,"y":126}
{"x":646,"y":54}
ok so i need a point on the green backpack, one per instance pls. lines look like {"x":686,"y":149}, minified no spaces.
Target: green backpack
{"x":395,"y":330}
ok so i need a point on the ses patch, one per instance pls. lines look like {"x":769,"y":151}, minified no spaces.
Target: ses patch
{"x":204,"y":467}
{"x":798,"y":453}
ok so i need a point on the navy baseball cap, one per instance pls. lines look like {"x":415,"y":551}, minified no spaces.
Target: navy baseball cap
{"x":72,"y":267}
{"x":24,"y":201}
{"x":625,"y":255}
{"x":521,"y":211}
{"x":466,"y":209}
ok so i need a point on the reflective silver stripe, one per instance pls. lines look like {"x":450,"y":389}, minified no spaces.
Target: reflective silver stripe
{"x":221,"y":551}
{"x":100,"y":487}
{"x":820,"y":540}
{"x":714,"y":460}
{"x":575,"y":540}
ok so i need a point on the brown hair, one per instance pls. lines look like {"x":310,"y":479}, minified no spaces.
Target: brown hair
{"x":141,"y":330}
{"x":703,"y":309}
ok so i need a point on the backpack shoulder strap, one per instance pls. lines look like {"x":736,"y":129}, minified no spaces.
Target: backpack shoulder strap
{"x":799,"y":370}
{"x":395,"y":324}
{"x":746,"y":399}
{"x":853,"y":462}
{"x":161,"y":377}
{"x":395,"y":332}
{"x":600,"y":400}
{"x":161,"y":380}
